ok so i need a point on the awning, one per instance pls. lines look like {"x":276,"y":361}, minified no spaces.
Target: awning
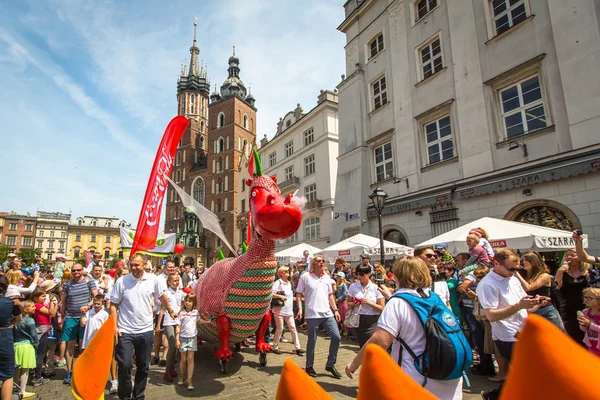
{"x":560,"y":170}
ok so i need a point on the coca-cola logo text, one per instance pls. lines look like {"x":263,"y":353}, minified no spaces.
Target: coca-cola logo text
{"x":163,"y":168}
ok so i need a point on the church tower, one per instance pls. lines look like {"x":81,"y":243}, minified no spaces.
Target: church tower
{"x":231,"y":136}
{"x":193,"y":89}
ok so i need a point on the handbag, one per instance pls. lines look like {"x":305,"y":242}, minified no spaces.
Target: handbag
{"x":478,"y":311}
{"x":353,"y":318}
{"x":278,"y":302}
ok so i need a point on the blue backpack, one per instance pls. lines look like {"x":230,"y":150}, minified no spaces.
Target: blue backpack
{"x":447,"y":353}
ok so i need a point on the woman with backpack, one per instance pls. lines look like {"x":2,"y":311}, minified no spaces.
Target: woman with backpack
{"x":401,"y":326}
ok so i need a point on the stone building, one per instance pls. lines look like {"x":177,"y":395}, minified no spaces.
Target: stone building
{"x":211,"y":160}
{"x":51,"y":235}
{"x":95,"y":234}
{"x":464,"y":109}
{"x":300,"y":156}
{"x":18,"y":231}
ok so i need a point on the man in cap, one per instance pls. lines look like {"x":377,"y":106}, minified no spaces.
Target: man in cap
{"x":442,"y":248}
{"x":365,"y":259}
{"x":9,"y":258}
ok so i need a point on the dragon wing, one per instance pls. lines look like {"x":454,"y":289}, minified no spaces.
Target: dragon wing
{"x":208,"y":219}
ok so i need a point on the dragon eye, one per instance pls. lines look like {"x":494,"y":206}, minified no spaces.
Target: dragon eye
{"x":254,"y":193}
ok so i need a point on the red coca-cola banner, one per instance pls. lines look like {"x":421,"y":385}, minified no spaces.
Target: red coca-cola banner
{"x":149,"y":220}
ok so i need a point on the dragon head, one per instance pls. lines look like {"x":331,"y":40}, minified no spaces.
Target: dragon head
{"x":274,"y":217}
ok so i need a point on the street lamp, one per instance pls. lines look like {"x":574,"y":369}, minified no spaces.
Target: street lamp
{"x":378,"y":198}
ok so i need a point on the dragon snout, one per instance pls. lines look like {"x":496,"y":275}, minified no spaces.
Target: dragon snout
{"x":279,"y":220}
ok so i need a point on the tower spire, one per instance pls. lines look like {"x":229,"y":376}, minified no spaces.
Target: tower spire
{"x":194,"y":51}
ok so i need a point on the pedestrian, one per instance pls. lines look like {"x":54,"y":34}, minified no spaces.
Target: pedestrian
{"x":169,"y":269}
{"x":189,"y":318}
{"x":121,"y":271}
{"x":589,"y":319}
{"x":186,"y":275}
{"x":14,"y":290}
{"x":9,"y":258}
{"x":171,"y":324}
{"x":363,"y":294}
{"x":131,"y":304}
{"x":341,"y":297}
{"x":25,"y":341}
{"x":365,"y":259}
{"x":77,"y":297}
{"x":10,"y":314}
{"x":43,"y":319}
{"x":282,"y":289}
{"x":93,"y":319}
{"x":320,"y":311}
{"x":59,"y":267}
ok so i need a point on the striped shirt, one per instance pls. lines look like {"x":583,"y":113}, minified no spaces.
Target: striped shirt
{"x":78,"y":295}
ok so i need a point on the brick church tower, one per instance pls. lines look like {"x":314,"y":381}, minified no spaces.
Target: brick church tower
{"x":211,"y":160}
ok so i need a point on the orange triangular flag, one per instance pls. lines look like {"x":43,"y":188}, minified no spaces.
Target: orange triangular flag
{"x":295,"y":384}
{"x":91,"y":369}
{"x":547,"y":365}
{"x":379,"y":373}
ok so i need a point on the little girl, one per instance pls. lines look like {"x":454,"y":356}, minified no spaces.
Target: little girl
{"x":189,"y":318}
{"x":43,"y":319}
{"x":175,"y":297}
{"x":93,"y":319}
{"x":589,"y":319}
{"x":25,"y":338}
{"x":483,"y":240}
{"x":478,"y":254}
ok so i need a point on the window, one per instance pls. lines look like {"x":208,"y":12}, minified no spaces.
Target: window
{"x":198,"y":190}
{"x":51,"y":233}
{"x":201,"y":126}
{"x":219,"y":208}
{"x":63,"y":234}
{"x":220,"y":165}
{"x":27,"y":241}
{"x":291,"y":239}
{"x":41,"y":233}
{"x":309,"y":165}
{"x":13,"y":227}
{"x":384,"y":163}
{"x":107,"y":239}
{"x":76,"y":252}
{"x":376,"y":46}
{"x":61,"y":245}
{"x":78,"y":237}
{"x":93,"y":238}
{"x":40,"y":244}
{"x":289,"y":148}
{"x":309,"y":137}
{"x":310,"y":192}
{"x":438,"y":140}
{"x":312,"y":228}
{"x":51,"y":244}
{"x":431,"y":60}
{"x":507,"y":13}
{"x":106,"y":254}
{"x":379,"y":93}
{"x":109,"y":224}
{"x":289,"y":173}
{"x":522,"y":107}
{"x":120,"y":254}
{"x":423,"y":7}
{"x":28,"y":228}
{"x":192,"y":104}
{"x":79,"y":222}
{"x":272,"y":159}
{"x":288,"y":123}
{"x":221,"y":145}
{"x":11,"y":240}
{"x":243,"y":205}
{"x":221,"y":120}
{"x":243,"y":185}
{"x":245,"y":121}
{"x":94,"y":223}
{"x":219,"y":186}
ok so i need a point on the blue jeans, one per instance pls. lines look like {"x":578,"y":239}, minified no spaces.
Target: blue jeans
{"x":141,"y":344}
{"x":551,"y":314}
{"x":331,"y":327}
{"x":477,"y":337}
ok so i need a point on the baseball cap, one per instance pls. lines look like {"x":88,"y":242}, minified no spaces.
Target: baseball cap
{"x":341,"y":274}
{"x":441,"y":246}
{"x":11,"y":255}
{"x":365,"y":255}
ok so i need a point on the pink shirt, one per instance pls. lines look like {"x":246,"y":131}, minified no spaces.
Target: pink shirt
{"x":481,"y":256}
{"x":591,"y":333}
{"x":40,"y":317}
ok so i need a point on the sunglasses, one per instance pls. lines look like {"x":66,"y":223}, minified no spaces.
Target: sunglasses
{"x":430,"y":255}
{"x":589,"y":298}
{"x":76,"y":270}
{"x":513,"y":269}
{"x":320,"y":261}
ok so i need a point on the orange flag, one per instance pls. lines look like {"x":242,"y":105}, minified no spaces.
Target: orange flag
{"x":295,"y":384}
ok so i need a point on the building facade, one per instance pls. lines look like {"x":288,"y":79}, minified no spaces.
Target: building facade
{"x":465,"y":109}
{"x":211,"y":160}
{"x":18,"y":231}
{"x":95,"y":234}
{"x":299,"y":155}
{"x":51,"y":235}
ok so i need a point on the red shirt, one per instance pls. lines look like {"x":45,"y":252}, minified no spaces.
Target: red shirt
{"x":40,"y":317}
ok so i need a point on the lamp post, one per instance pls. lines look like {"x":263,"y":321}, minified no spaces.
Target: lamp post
{"x":378,"y":198}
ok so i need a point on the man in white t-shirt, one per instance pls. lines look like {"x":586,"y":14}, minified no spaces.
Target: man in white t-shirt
{"x":133,"y":296}
{"x":320,"y":302}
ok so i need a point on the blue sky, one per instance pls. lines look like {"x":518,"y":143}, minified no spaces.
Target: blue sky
{"x":87,"y":88}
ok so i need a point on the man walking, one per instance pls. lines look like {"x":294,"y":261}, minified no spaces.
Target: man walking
{"x":133,"y":296}
{"x":77,"y":298}
{"x":319,"y":301}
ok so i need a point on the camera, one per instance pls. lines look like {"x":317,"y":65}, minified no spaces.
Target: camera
{"x":579,"y":231}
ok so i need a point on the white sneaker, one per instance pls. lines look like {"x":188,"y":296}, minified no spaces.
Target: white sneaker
{"x":114,"y":387}
{"x":284,"y":340}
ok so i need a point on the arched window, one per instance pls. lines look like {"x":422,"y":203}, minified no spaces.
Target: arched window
{"x":109,"y":224}
{"x":218,"y":206}
{"x":198,"y":190}
{"x":220,"y":165}
{"x":395,"y":236}
{"x":221,"y":120}
{"x":79,"y":222}
{"x":245,"y":121}
{"x":192,"y":104}
{"x":251,"y":124}
{"x":94,"y":223}
{"x":202,"y":126}
{"x":245,"y":145}
{"x":219,"y":186}
{"x":202,"y":142}
{"x":221,"y":145}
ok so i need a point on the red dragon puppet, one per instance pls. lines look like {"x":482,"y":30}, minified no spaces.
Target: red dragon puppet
{"x":236,"y":292}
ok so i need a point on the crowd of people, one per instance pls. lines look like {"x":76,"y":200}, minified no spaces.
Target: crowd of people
{"x":48,"y":316}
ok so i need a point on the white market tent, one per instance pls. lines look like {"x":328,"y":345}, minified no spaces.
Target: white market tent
{"x":294,"y":253}
{"x":509,"y":234}
{"x":353,"y":247}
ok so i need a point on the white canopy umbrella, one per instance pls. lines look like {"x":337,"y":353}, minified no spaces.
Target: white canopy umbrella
{"x":294,"y":253}
{"x":353,"y":247}
{"x":509,"y":234}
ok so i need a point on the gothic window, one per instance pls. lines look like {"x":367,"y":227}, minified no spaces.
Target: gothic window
{"x":221,"y":145}
{"x":245,"y":121}
{"x":220,"y":165}
{"x":219,"y":206}
{"x":221,"y":120}
{"x":219,"y":186}
{"x":198,"y":190}
{"x":192,"y":104}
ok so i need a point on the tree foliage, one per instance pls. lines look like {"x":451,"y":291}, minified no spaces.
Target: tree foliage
{"x":28,"y":255}
{"x":4,"y":250}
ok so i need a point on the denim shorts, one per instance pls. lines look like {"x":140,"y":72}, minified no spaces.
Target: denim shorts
{"x":188,"y":344}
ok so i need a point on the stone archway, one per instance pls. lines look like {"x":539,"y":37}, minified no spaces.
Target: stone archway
{"x":395,"y":234}
{"x":547,"y":213}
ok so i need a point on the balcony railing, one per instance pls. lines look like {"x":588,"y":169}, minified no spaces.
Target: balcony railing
{"x":313,"y":204}
{"x":294,"y":180}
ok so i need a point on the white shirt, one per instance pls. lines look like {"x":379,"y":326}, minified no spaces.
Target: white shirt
{"x":163,"y":278}
{"x":175,"y":298}
{"x":398,"y":318}
{"x":316,"y":292}
{"x":496,"y":292}
{"x":370,"y":293}
{"x":134,"y":297}
{"x":441,"y":289}
{"x":93,"y":322}
{"x":286,"y":287}
{"x":189,"y":323}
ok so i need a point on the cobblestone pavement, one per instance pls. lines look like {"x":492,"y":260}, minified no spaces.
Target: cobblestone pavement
{"x":246,"y":379}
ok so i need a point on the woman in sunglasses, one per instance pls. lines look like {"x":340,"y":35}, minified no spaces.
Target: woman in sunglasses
{"x":364,"y":294}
